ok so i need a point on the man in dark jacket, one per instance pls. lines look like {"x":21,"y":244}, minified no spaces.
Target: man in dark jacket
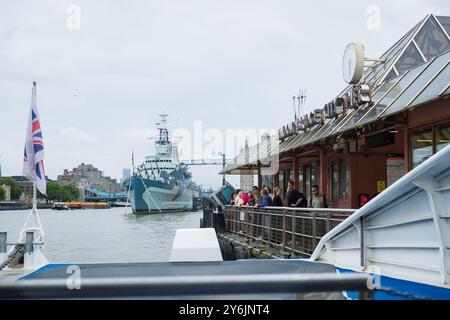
{"x":295,"y":198}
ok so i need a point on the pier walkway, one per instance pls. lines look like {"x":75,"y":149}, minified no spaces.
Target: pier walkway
{"x":293,"y":230}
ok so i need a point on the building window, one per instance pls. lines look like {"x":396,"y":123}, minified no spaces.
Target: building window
{"x":421,"y":145}
{"x":281,"y":182}
{"x":307,"y":181}
{"x":442,"y":133}
{"x":291,"y":175}
{"x":301,"y":187}
{"x":340,"y":174}
{"x":344,"y":174}
{"x":307,"y":177}
{"x":268,"y":181}
{"x":315,"y":169}
{"x":334,"y":180}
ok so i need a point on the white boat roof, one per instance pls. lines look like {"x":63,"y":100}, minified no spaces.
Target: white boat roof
{"x":404,"y":232}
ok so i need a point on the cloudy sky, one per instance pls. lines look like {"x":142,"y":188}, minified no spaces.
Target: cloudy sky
{"x":106,"y":69}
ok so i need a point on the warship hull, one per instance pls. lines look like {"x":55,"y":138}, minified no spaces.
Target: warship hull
{"x":152,"y":196}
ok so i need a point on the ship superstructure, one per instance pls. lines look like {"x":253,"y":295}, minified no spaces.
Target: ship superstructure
{"x":161,"y":183}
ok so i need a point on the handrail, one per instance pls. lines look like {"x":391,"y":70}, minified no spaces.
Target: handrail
{"x":185,"y":285}
{"x":337,"y":210}
{"x":295,"y":230}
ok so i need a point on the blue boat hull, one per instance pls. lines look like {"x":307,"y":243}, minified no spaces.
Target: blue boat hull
{"x":398,"y":289}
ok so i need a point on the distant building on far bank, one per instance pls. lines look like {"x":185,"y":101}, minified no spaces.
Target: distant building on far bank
{"x":27,"y":189}
{"x":86,"y":175}
{"x":126,"y":173}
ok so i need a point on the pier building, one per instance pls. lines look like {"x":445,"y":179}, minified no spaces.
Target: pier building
{"x":371,"y":133}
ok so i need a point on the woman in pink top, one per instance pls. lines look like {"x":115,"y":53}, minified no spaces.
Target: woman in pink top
{"x":245,"y":199}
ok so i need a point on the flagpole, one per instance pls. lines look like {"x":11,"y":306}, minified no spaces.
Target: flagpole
{"x":34,"y":198}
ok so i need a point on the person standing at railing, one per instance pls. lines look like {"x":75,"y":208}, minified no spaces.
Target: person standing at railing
{"x":294,"y":197}
{"x":276,"y":201}
{"x":317,"y":199}
{"x":238,"y":199}
{"x":233,"y":197}
{"x":257,"y":195}
{"x":245,"y":199}
{"x":251,"y":199}
{"x":269,"y":192}
{"x":266,"y":201}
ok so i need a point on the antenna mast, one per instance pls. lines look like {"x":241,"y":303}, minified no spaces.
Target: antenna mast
{"x":293,"y":106}
{"x":301,"y":100}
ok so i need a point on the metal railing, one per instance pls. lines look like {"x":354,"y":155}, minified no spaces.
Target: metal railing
{"x":296,"y":230}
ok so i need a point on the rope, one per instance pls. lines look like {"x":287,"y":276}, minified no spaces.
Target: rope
{"x":15,"y":256}
{"x":128,"y":196}
{"x":406,"y":295}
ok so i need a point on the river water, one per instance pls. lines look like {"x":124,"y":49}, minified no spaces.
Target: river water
{"x":106,"y":235}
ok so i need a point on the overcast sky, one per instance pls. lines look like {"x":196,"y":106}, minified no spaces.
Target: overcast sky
{"x":230,"y":64}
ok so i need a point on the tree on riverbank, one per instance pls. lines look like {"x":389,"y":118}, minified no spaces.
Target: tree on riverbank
{"x":57,"y":192}
{"x":16,"y":189}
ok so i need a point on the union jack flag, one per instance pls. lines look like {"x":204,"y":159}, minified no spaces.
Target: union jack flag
{"x":33,"y":158}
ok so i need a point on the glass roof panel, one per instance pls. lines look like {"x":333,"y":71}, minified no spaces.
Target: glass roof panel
{"x":327,"y":127}
{"x":445,"y":23}
{"x":410,"y":58}
{"x":283,"y":144}
{"x":320,"y":131}
{"x":301,"y":139}
{"x":355,"y":118}
{"x":377,"y":96}
{"x":401,"y":102}
{"x":380,"y":70}
{"x":363,"y":110}
{"x":310,"y":134}
{"x":381,"y":105}
{"x":338,"y":126}
{"x":431,"y":40}
{"x":400,"y":86}
{"x":433,"y":90}
{"x":446,"y":92}
{"x":333,"y":126}
{"x":287,"y":146}
{"x":391,"y":75}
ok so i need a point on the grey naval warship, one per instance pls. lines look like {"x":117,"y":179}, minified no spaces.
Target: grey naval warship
{"x":161,"y":183}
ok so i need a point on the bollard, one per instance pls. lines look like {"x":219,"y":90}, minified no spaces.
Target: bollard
{"x":3,"y":238}
{"x":29,"y":242}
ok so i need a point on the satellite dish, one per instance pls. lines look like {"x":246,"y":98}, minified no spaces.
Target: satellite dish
{"x":353,"y":63}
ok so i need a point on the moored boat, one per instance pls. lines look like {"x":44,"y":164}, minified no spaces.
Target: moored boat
{"x":161,"y":183}
{"x":60,"y":206}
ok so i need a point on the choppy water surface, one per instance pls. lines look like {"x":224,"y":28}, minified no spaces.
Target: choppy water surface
{"x":103,"y":235}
